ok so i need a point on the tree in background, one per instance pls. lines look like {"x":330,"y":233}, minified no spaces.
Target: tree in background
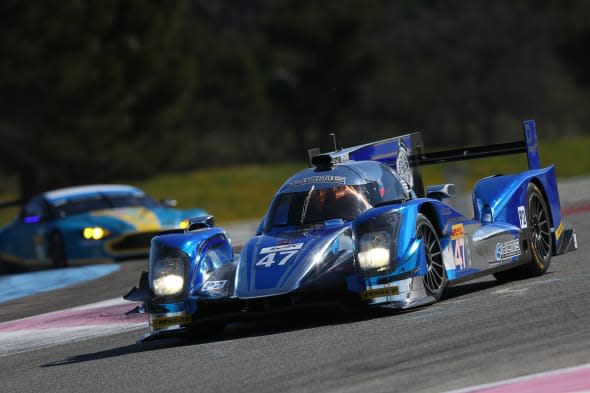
{"x":85,"y":84}
{"x":103,"y":90}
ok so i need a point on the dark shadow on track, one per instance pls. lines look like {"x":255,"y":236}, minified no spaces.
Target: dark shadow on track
{"x":116,"y":352}
{"x":468,"y":288}
{"x":283,"y":322}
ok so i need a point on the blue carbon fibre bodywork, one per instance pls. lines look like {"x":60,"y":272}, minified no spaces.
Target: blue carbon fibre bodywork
{"x":380,"y":256}
{"x":257,"y":278}
{"x":504,"y":194}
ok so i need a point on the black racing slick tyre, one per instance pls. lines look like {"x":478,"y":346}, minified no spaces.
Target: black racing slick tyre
{"x":538,"y":235}
{"x":435,"y":280}
{"x":57,"y":250}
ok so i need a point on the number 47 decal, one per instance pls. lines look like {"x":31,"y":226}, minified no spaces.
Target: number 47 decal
{"x":285,"y":252}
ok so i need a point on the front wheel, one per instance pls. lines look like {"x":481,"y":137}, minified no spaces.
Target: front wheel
{"x":57,"y":250}
{"x":435,"y":280}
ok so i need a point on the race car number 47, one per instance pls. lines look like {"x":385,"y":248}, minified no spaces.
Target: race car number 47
{"x":278,"y":254}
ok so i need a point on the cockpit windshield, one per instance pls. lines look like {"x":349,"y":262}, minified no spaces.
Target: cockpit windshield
{"x":315,"y":206}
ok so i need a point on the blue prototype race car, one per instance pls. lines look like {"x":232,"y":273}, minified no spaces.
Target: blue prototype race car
{"x":87,"y":224}
{"x":358,"y":228}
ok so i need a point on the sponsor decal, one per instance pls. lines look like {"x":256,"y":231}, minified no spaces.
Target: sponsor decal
{"x":507,"y":249}
{"x":402,"y":166}
{"x":457,"y":231}
{"x":213,"y":285}
{"x":559,"y":230}
{"x":379,"y":292}
{"x":284,"y":252}
{"x":319,"y":179}
{"x":160,"y":323}
{"x":522,"y":217}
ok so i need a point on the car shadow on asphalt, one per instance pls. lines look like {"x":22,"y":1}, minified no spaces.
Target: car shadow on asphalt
{"x":285,"y":322}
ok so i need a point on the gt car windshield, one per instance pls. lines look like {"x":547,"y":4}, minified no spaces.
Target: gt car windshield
{"x":100,"y":202}
{"x":313,"y":206}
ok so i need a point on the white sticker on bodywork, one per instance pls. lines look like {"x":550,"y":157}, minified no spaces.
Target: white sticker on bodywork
{"x":507,"y":249}
{"x":522,"y":217}
{"x":285,"y":252}
{"x":282,"y":248}
{"x":213,"y":285}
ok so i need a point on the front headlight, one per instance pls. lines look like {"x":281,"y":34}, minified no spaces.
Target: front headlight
{"x":94,"y":233}
{"x":168,"y":276}
{"x":376,"y":241}
{"x":374,"y":250}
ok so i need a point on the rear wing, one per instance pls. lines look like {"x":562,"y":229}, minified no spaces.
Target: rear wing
{"x":405,"y":154}
{"x":527,"y":145}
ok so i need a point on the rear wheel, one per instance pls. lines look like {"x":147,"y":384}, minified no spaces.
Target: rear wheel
{"x":539,"y":238}
{"x":435,"y":280}
{"x":57,"y":250}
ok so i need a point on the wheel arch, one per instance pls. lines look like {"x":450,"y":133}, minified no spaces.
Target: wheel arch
{"x":430,"y":211}
{"x":537,"y":182}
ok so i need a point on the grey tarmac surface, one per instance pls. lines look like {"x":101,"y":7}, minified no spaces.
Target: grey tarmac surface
{"x":481,"y":332}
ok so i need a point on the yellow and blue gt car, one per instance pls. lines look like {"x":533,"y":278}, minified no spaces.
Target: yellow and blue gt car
{"x":87,"y":224}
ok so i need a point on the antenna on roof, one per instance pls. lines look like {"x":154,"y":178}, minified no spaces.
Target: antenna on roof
{"x":333,"y":137}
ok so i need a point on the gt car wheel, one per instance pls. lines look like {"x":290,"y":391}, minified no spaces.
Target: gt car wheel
{"x":435,"y":280}
{"x":57,"y":250}
{"x":539,"y":238}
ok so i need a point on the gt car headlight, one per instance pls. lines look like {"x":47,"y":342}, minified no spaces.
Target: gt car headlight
{"x":183,"y":224}
{"x":374,"y":250}
{"x":168,"y":276}
{"x":94,"y":233}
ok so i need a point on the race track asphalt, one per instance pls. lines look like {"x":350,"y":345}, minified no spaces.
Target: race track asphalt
{"x":481,"y":332}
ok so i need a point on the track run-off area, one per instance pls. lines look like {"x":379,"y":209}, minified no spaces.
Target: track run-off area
{"x":483,"y":336}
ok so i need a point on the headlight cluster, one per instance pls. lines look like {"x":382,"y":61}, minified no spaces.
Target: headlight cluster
{"x":374,"y":250}
{"x":376,"y":243}
{"x":94,"y":233}
{"x":168,"y":276}
{"x":168,"y":270}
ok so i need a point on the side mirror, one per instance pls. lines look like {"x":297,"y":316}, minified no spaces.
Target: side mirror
{"x":170,"y":203}
{"x":200,"y":222}
{"x":440,"y":191}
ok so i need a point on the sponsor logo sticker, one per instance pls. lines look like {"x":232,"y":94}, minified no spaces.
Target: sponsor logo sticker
{"x":379,"y":292}
{"x":159,"y":323}
{"x":319,"y":179}
{"x":507,"y":249}
{"x":282,"y":248}
{"x":457,"y":231}
{"x":213,"y":285}
{"x":559,"y":230}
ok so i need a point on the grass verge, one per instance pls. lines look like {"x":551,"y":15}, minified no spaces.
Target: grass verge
{"x":243,"y":192}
